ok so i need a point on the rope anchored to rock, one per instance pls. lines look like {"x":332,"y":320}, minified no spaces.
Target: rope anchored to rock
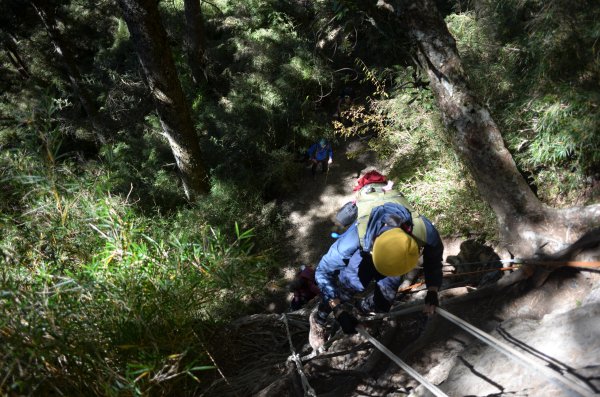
{"x":571,"y":386}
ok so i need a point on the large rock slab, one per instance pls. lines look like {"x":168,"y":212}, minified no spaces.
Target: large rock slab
{"x":566,"y":340}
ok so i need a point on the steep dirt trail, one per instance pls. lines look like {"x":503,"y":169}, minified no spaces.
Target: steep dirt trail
{"x":557,"y":321}
{"x":448,"y":357}
{"x":312,"y":209}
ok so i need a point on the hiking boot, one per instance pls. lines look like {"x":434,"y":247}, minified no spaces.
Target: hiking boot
{"x":318,"y":332}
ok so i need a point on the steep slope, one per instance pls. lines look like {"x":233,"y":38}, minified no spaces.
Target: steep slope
{"x":554,"y":320}
{"x":317,"y":200}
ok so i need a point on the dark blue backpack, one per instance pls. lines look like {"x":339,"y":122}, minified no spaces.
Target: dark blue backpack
{"x":347,"y":214}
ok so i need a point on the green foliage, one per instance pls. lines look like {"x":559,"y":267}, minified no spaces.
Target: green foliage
{"x":440,"y":191}
{"x":561,"y":129}
{"x":98,"y":298}
{"x":267,"y":111}
{"x":112,"y":284}
{"x":143,"y":301}
{"x":557,"y":139}
{"x":410,"y":137}
{"x":519,"y":67}
{"x":536,"y":66}
{"x":342,"y":8}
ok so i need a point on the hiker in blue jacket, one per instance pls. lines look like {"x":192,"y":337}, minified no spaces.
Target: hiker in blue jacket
{"x":386,"y":249}
{"x":320,"y":153}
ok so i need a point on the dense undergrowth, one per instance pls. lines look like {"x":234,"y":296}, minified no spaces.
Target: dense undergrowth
{"x":101,"y":297}
{"x":112,"y":284}
{"x":536,"y":65}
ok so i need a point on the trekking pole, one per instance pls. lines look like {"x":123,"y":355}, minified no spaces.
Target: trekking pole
{"x":432,"y":388}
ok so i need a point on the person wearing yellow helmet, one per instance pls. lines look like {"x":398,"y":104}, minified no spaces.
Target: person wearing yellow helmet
{"x":388,"y":248}
{"x":395,"y":252}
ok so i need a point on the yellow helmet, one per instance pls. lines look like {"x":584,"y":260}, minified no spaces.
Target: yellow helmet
{"x":395,"y":253}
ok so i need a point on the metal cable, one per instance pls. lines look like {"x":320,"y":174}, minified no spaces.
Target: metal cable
{"x":488,"y":339}
{"x":432,"y":388}
{"x":511,"y":352}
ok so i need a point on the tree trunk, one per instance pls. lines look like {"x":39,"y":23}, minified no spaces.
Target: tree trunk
{"x":67,"y":60}
{"x":195,"y":42}
{"x":150,"y":40}
{"x":526,"y":225}
{"x":16,"y":65}
{"x":12,"y":51}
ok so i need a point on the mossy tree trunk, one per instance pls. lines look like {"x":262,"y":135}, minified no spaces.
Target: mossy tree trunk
{"x":150,"y":41}
{"x":195,"y":40}
{"x":526,"y":224}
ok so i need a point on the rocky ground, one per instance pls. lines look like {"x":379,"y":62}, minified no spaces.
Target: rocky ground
{"x":552,"y":317}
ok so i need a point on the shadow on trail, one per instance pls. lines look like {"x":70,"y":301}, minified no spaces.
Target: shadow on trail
{"x":312,"y":209}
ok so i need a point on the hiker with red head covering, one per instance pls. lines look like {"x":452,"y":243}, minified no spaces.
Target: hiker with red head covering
{"x":369,"y":177}
{"x":383,"y":243}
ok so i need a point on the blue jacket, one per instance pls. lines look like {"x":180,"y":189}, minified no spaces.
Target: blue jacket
{"x":347,"y":269}
{"x":319,"y":152}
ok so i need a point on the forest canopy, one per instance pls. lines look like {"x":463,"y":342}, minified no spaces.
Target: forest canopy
{"x":144,"y":157}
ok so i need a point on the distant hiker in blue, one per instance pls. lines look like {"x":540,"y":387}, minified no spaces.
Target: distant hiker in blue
{"x":320,"y":153}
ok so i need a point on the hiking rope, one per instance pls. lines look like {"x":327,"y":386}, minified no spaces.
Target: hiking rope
{"x":487,"y":262}
{"x":584,"y":266}
{"x":511,"y":352}
{"x":295,"y":357}
{"x":499,"y":269}
{"x":569,"y":385}
{"x":421,"y":283}
{"x":432,"y":388}
{"x":580,"y":265}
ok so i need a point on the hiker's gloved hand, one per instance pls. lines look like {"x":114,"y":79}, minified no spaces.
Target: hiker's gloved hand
{"x":347,"y":321}
{"x":375,"y":302}
{"x":431,"y":301}
{"x":330,"y":161}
